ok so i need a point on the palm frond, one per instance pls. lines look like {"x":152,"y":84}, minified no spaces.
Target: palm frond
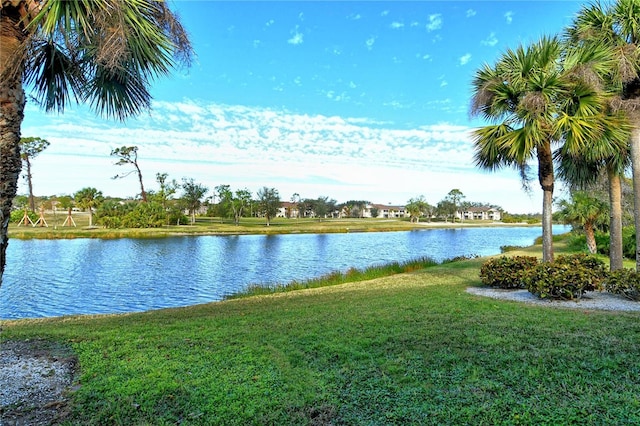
{"x":106,"y":52}
{"x":576,"y":170}
{"x":494,"y":149}
{"x":54,"y":73}
{"x":626,"y":13}
{"x":117,"y":94}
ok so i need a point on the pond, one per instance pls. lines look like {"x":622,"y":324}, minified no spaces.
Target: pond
{"x":46,"y":278}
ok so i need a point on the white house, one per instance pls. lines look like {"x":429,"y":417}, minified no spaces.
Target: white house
{"x":479,"y":213}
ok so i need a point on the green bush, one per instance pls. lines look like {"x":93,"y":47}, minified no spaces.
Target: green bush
{"x":629,"y":242}
{"x":18,"y":215}
{"x":507,"y":272}
{"x":569,"y":277}
{"x":577,"y":241}
{"x":625,"y":282}
{"x":145,"y":215}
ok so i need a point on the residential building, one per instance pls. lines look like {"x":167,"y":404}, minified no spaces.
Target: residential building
{"x":479,"y":213}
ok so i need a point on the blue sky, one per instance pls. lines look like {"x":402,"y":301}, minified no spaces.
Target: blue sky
{"x":350,"y":100}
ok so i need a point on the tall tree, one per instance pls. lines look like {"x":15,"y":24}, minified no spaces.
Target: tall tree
{"x":616,"y":27}
{"x":29,"y":149}
{"x":268,"y":202}
{"x":535,"y":104}
{"x":240,"y":202}
{"x":167,"y":188}
{"x":88,"y":199}
{"x":129,"y":155}
{"x":606,"y":156}
{"x":104,"y":52}
{"x":456,"y":196}
{"x":323,"y":206}
{"x":446,"y":208}
{"x":225,"y":201}
{"x":192,"y":196}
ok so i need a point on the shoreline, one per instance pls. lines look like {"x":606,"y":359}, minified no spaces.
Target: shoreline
{"x":330,"y":226}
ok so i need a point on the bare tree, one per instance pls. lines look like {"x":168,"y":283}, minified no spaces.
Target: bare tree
{"x":129,"y":155}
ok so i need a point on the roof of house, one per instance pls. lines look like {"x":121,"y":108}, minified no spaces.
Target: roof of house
{"x":481,"y":209}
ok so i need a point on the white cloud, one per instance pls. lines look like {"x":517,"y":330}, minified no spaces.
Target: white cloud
{"x":491,"y":40}
{"x":470,"y":13}
{"x":345,"y":158}
{"x":435,"y":22}
{"x":384,"y":13}
{"x":297,"y":37}
{"x":396,"y":25}
{"x":269,"y":23}
{"x":464,"y":60}
{"x":354,"y":17}
{"x":370,"y":42}
{"x":509,"y":17}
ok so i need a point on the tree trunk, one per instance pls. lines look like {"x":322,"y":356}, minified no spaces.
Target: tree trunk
{"x":32,"y":201}
{"x":143,"y":193}
{"x":12,"y":103}
{"x":635,"y":166}
{"x":590,"y":233}
{"x":546,"y":179}
{"x":615,"y":220}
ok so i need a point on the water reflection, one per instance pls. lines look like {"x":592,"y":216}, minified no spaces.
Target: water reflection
{"x":86,"y":276}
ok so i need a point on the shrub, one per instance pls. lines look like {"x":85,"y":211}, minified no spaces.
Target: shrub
{"x":625,"y":282}
{"x":629,"y":242}
{"x":18,"y":215}
{"x":567,"y":278}
{"x":507,"y":272}
{"x":145,"y":215}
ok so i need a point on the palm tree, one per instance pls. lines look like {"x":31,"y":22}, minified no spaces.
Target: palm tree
{"x":582,"y":170}
{"x":581,"y":161}
{"x":585,"y":211}
{"x":617,"y":28}
{"x":537,"y":100}
{"x":88,"y":199}
{"x":104,"y":52}
{"x":521,"y":93}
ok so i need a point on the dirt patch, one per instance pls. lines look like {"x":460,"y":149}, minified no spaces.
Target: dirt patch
{"x":35,"y":377}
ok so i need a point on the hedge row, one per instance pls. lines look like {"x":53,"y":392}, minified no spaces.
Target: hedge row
{"x":568,"y":277}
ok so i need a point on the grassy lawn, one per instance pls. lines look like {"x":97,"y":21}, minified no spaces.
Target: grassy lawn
{"x":413,"y":348}
{"x":207,"y":225}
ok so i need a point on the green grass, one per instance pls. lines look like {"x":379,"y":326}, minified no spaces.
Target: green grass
{"x":412,"y":348}
{"x":337,"y":277}
{"x":207,"y":225}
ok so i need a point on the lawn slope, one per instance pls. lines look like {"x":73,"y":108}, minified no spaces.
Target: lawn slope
{"x":408,"y":349}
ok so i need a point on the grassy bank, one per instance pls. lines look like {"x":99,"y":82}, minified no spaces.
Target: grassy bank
{"x":413,"y":348}
{"x":217,"y":226}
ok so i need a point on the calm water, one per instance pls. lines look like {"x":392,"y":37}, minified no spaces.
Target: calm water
{"x":47,"y":278}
